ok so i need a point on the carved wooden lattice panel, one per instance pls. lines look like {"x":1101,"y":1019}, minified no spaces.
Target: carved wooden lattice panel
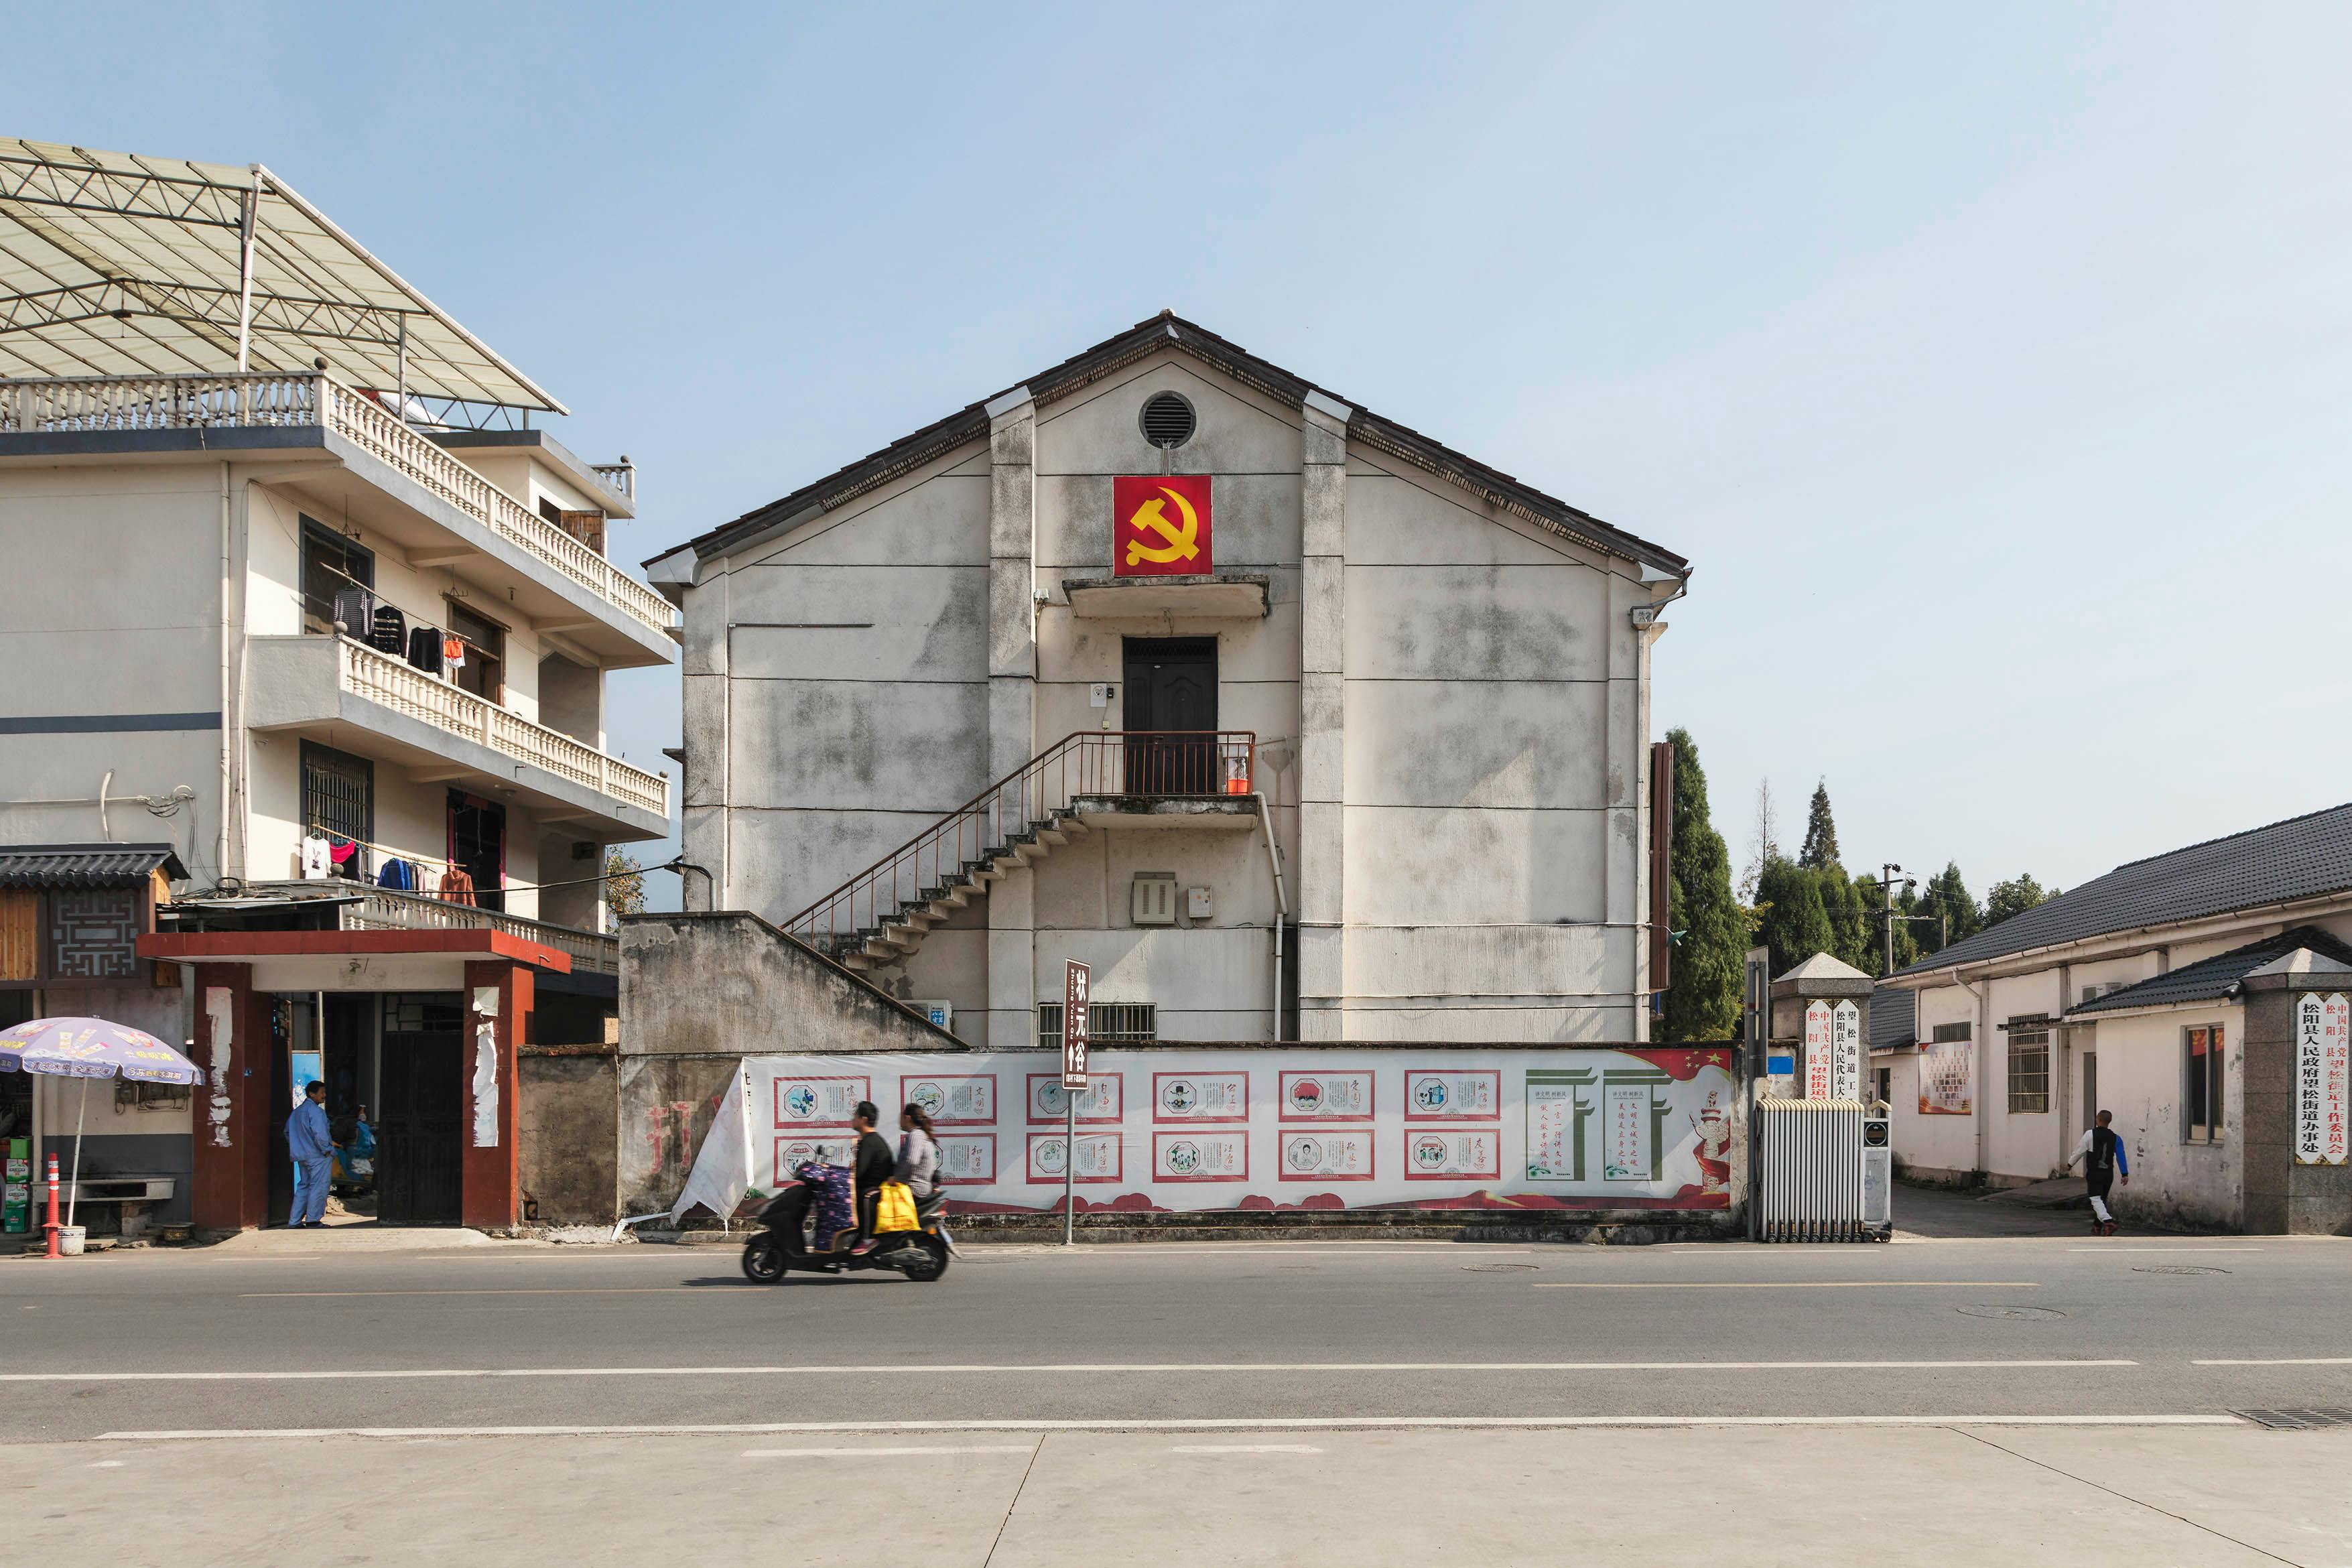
{"x":94,"y":934}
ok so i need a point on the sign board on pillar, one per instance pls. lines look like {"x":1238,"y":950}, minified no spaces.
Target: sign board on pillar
{"x":1819,"y":1022}
{"x":1075,"y":980}
{"x":1845,"y":1052}
{"x":2323,"y":1078}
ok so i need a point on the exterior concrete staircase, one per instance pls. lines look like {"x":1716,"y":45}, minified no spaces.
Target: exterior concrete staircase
{"x":879,"y":916}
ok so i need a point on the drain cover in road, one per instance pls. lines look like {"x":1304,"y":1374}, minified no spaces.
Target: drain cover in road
{"x":2030,"y":1314}
{"x":2298,"y":1420}
{"x":2176,"y":1269}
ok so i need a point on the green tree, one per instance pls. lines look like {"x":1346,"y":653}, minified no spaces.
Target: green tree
{"x":2013,"y":896}
{"x":1820,"y":846}
{"x":1795,"y":926}
{"x":1955,"y":917}
{"x":624,"y":883}
{"x":1710,"y":930}
{"x":1848,"y":908}
{"x":1872,"y":904}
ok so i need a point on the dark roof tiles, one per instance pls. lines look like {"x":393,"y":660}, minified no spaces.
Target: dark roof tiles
{"x":86,"y":865}
{"x":2302,"y":858}
{"x":2212,"y":978}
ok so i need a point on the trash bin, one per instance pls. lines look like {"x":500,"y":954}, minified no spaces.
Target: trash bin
{"x":69,"y":1240}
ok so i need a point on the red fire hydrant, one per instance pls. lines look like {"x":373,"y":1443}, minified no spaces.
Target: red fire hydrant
{"x":52,"y":1227}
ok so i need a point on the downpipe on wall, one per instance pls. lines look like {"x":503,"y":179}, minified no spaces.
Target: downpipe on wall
{"x":1281,"y":907}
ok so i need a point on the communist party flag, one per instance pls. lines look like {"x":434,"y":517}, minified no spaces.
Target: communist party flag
{"x":1160,"y":526}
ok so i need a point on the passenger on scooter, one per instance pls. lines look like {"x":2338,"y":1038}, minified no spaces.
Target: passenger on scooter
{"x":919,"y":1156}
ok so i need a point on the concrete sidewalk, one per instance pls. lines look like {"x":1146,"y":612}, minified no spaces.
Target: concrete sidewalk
{"x":1916,"y":1495}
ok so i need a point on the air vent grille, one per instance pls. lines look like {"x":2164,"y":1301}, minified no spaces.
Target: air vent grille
{"x":1168,"y":420}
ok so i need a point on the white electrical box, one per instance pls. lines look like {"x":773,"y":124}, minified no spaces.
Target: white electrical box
{"x":1199,"y":903}
{"x":940,"y":1014}
{"x":1098,"y":694}
{"x":1155,"y":899}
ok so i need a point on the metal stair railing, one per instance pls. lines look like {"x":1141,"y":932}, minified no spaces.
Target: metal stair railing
{"x":1118,"y":764}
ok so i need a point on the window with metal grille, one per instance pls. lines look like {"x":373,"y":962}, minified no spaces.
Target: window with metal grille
{"x":1945,"y":1033}
{"x":2201,"y":1115}
{"x":330,"y":564}
{"x":1167,"y":419}
{"x":1108,"y":1024}
{"x":339,"y":802}
{"x":2029,"y":1071}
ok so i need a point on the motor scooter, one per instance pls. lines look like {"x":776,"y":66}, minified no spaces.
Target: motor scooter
{"x":781,"y":1246}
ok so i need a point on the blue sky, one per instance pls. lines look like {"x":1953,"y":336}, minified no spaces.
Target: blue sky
{"x":1989,"y":362}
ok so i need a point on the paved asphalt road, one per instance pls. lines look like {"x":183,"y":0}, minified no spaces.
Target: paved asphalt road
{"x":665,"y":1336}
{"x":2048,"y":1400}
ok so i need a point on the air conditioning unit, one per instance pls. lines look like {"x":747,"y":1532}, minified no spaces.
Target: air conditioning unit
{"x":1155,"y":899}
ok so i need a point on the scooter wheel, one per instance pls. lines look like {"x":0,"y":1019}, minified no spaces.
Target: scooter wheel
{"x":929,"y":1259}
{"x":764,"y":1260}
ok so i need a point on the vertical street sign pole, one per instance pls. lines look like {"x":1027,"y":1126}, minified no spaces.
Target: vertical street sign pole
{"x":1075,"y":980}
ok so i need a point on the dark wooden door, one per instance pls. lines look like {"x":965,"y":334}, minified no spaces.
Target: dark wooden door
{"x":1172,"y":706}
{"x":420,"y":1147}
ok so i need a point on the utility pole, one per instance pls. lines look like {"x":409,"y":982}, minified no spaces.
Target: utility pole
{"x":1889,"y":873}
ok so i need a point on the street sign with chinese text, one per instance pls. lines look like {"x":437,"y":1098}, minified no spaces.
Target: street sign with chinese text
{"x":1075,"y":983}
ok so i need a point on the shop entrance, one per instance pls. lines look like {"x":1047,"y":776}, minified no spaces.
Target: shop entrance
{"x":477,"y":846}
{"x":329,"y":1037}
{"x":420,"y":1152}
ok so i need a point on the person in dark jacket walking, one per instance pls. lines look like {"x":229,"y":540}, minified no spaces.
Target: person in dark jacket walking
{"x":2103,"y":1151}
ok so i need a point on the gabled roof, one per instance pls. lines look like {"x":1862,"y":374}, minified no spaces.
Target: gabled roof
{"x":113,"y":264}
{"x":87,"y":864}
{"x":2210,"y":979}
{"x":1168,"y":330}
{"x":2301,"y":857}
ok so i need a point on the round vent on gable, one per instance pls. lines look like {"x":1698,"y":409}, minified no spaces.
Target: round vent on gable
{"x":1167,"y":419}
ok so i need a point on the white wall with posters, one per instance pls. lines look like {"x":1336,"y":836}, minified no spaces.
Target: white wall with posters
{"x":1175,"y":1129}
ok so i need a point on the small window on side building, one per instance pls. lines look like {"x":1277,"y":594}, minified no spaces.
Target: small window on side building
{"x":2029,"y":1073}
{"x":2202,"y":1108}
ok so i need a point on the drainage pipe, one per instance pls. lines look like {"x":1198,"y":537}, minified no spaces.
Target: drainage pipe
{"x":1281,"y":908}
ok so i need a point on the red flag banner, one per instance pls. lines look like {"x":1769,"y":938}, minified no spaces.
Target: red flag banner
{"x":1160,"y":526}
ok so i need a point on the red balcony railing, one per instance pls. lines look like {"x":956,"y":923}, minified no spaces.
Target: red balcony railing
{"x":1092,"y":765}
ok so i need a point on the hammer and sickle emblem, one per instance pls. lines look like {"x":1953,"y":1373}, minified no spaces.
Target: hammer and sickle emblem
{"x":1181,"y":542}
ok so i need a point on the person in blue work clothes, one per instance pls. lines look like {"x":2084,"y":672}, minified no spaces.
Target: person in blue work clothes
{"x":313,"y":1147}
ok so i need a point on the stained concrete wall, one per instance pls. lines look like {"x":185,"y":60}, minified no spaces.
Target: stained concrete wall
{"x":1459,"y":696}
{"x":568,"y":1148}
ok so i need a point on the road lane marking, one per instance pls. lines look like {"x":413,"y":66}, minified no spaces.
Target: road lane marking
{"x":1244,"y":1448}
{"x":862,"y":1453}
{"x":908,"y":1368}
{"x":1784,"y":1284}
{"x":1169,"y":1423}
{"x":491,"y":1290}
{"x":2163,"y":1249}
{"x":2284,"y":1361}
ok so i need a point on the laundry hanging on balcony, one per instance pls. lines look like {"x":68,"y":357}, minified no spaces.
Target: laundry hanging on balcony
{"x":318,"y":858}
{"x":424,"y":648}
{"x":355,"y":612}
{"x":397,"y":874}
{"x":390,"y":634}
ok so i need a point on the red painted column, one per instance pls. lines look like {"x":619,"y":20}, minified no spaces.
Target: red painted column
{"x":498,"y":997}
{"x":230,"y":1181}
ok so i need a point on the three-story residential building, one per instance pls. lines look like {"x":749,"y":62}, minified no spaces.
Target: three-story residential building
{"x":296,"y":590}
{"x":1293,"y":722}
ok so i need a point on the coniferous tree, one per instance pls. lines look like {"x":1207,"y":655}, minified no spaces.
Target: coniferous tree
{"x":1851,"y":927}
{"x":1947,"y":897}
{"x":1711,"y":933}
{"x":1820,"y":846}
{"x":1794,"y":925}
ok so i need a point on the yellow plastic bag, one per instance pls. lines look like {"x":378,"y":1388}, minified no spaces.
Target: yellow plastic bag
{"x":896,"y":1209}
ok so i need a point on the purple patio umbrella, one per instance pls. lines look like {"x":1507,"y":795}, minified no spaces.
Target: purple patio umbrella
{"x":88,"y":1048}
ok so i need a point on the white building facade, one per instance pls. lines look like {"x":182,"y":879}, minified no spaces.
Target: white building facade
{"x":1373,"y":765}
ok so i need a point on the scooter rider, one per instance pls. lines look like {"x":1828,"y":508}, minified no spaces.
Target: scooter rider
{"x":919,"y":1156}
{"x":873,"y":1165}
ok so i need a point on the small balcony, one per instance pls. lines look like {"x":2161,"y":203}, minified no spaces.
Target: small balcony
{"x":360,"y":907}
{"x":120,"y":416}
{"x":360,"y":700}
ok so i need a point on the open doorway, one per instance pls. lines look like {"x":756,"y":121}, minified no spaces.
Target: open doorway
{"x":477,"y":846}
{"x":1172,"y":712}
{"x":420,"y":1151}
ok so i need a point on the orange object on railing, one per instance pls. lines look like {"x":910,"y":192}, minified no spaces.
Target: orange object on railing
{"x":1114,"y":764}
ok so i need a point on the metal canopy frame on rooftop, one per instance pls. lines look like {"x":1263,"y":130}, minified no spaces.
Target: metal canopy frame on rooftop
{"x":115,"y":265}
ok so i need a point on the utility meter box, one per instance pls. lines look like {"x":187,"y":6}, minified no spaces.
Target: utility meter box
{"x":940,"y":1014}
{"x":1155,"y":899}
{"x":1199,"y":903}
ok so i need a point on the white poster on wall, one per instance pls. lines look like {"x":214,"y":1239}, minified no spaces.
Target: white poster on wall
{"x":1236,"y":1127}
{"x":2322,"y":1068}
